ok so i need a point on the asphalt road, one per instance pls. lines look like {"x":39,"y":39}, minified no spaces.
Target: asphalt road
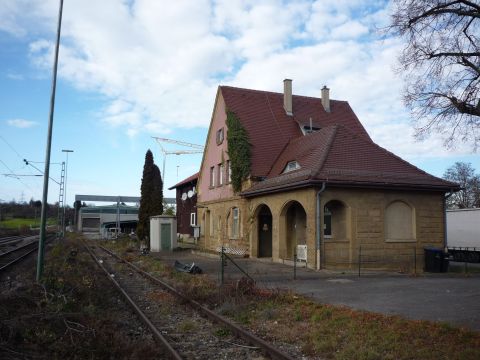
{"x":451,"y":298}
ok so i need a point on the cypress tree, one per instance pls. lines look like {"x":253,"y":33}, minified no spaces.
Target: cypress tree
{"x":151,"y":196}
{"x":146,"y":191}
{"x":157,"y":195}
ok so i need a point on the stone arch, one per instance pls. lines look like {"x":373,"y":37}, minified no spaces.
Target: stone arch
{"x":400,"y":221}
{"x":293,"y":228}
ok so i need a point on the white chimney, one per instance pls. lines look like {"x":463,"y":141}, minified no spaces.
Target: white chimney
{"x":326,"y":98}
{"x":287,"y":96}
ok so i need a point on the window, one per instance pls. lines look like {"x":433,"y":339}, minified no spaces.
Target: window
{"x":309,"y":130}
{"x":193,"y":219}
{"x":235,"y":223}
{"x":229,"y":172}
{"x":220,"y":136}
{"x":327,"y":223}
{"x":291,"y":165}
{"x":335,"y":222}
{"x":220,"y":174}
{"x":399,"y":222}
{"x":212,"y":176}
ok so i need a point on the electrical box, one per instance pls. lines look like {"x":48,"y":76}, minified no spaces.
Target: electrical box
{"x":163,"y":233}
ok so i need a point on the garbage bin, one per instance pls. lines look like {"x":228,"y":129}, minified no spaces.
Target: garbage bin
{"x":435,"y":260}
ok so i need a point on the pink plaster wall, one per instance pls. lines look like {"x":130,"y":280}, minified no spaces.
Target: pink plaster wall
{"x":213,"y":157}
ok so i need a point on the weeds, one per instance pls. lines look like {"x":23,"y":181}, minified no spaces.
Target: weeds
{"x":329,"y":332}
{"x":74,"y":314}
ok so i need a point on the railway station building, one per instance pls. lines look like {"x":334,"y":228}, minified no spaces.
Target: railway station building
{"x":319,"y":189}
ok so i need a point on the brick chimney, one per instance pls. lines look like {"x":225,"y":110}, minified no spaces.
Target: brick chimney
{"x":326,"y":98}
{"x":287,"y":96}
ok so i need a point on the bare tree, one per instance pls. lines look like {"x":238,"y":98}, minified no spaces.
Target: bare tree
{"x":469,"y":194}
{"x":441,"y":66}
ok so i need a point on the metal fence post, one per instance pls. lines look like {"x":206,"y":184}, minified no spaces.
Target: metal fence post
{"x":222,"y":260}
{"x":359,"y":259}
{"x":295,"y":266}
{"x":415,"y":260}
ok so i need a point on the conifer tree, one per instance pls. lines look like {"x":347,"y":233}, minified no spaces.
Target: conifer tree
{"x":157,"y":195}
{"x":146,"y":190}
{"x":151,"y":196}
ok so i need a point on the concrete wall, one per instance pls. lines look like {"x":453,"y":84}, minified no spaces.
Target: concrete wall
{"x":363,"y":228}
{"x":463,"y":228}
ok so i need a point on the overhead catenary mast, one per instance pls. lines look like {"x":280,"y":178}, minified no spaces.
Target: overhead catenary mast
{"x":43,"y":216}
{"x":199,"y":149}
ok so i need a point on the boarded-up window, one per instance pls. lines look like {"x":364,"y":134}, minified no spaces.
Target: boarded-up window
{"x":399,"y":222}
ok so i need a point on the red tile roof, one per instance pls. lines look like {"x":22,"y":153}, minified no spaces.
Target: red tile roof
{"x":192,"y":178}
{"x":338,"y":156}
{"x":341,"y":152}
{"x":270,"y":129}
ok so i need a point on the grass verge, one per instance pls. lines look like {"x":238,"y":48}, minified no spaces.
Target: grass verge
{"x":19,"y":223}
{"x":322,"y":331}
{"x":74,"y":314}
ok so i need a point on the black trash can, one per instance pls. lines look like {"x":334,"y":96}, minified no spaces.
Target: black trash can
{"x":435,"y":260}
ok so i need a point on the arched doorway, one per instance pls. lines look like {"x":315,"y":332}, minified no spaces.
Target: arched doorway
{"x":294,"y":218}
{"x":264,"y":226}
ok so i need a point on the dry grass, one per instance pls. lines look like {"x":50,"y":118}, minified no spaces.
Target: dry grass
{"x":322,"y":331}
{"x":75,"y":314}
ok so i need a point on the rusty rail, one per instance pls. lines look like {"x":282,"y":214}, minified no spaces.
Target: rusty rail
{"x":251,"y":338}
{"x":160,"y":338}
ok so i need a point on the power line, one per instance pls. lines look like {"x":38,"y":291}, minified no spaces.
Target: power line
{"x":40,"y":171}
{"x":8,"y":168}
{"x":10,"y":146}
{"x":16,"y":177}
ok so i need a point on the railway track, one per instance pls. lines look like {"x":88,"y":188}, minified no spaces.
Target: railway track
{"x":12,"y":240}
{"x":13,"y":256}
{"x":186,"y":329}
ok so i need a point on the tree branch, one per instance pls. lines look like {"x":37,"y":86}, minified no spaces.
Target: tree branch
{"x":443,"y":9}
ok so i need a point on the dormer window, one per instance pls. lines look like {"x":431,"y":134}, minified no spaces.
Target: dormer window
{"x":291,"y":165}
{"x":308,"y":130}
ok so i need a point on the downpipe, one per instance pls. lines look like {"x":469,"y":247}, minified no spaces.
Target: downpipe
{"x":318,"y":225}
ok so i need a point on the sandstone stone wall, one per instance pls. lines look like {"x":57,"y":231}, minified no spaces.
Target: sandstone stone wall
{"x":363,"y":236}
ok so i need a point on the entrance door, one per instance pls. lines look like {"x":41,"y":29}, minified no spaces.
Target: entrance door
{"x":165,"y":236}
{"x":265,"y":234}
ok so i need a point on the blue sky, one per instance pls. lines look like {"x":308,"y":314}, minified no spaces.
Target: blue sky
{"x":130,"y":70}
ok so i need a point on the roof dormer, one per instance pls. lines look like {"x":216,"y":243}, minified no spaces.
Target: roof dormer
{"x":291,"y":166}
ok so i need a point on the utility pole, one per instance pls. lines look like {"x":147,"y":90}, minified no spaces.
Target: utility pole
{"x":43,"y":216}
{"x":65,"y":192}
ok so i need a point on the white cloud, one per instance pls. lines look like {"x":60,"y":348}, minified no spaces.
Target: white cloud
{"x":21,"y":123}
{"x":12,"y":75}
{"x":158,"y":63}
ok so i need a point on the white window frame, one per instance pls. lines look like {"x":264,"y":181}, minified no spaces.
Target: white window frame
{"x":291,"y":166}
{"x":235,"y":223}
{"x":229,"y":169}
{"x":212,"y":176}
{"x":193,"y":219}
{"x":220,"y":136}
{"x":220,"y":174}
